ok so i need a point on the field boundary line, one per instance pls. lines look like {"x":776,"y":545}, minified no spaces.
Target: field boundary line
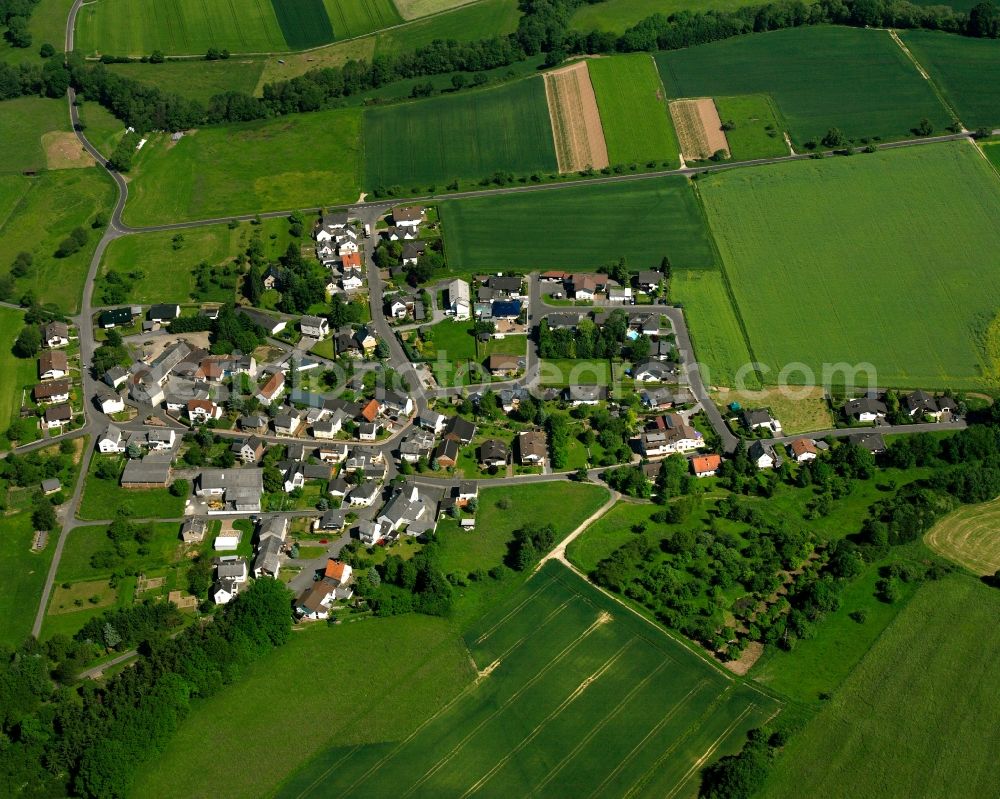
{"x":666,"y":110}
{"x":927,"y":77}
{"x":598,"y":622}
{"x":490,"y":667}
{"x":24,"y":198}
{"x":696,"y":689}
{"x":568,"y":757}
{"x":573,"y":696}
{"x":710,"y":751}
{"x":516,"y":609}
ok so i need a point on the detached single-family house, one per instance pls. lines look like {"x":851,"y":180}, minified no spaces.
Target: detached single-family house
{"x":583,"y":394}
{"x":408,"y":216}
{"x":273,"y":278}
{"x":412,"y":250}
{"x":504,"y":365}
{"x":670,"y":434}
{"x":193,"y":529}
{"x":52,"y":391}
{"x":200,"y":411}
{"x":55,"y":334}
{"x":459,"y":302}
{"x":332,"y":452}
{"x":460,"y":429}
{"x":920,"y":404}
{"x":370,"y":532}
{"x":250,"y":450}
{"x":762,"y":455}
{"x":648,"y":279}
{"x":760,"y":419}
{"x":655,"y":372}
{"x":873,"y":442}
{"x":416,"y":444}
{"x":315,"y":601}
{"x":332,"y":521}
{"x":705,"y":465}
{"x":331,"y":224}
{"x":272,"y":389}
{"x":367,"y":431}
{"x":494,"y":454}
{"x":224,"y":591}
{"x":111,"y":441}
{"x":532,"y":447}
{"x":866,"y":409}
{"x":287,"y":424}
{"x":315,"y":326}
{"x":432,"y":420}
{"x":585,"y":286}
{"x":163,"y":313}
{"x":52,"y":364}
{"x":803,"y":449}
{"x":366,"y":340}
{"x":657,"y":399}
{"x":57,"y":416}
{"x":256,"y":423}
{"x":397,"y":402}
{"x":446,"y":453}
{"x":363,"y":495}
{"x":115,"y":318}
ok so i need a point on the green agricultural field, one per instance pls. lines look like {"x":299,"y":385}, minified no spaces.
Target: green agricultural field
{"x":790,"y":237}
{"x":757,"y":131}
{"x":24,"y":121}
{"x":467,"y":135}
{"x":413,"y":9}
{"x":637,"y":126}
{"x":102,"y":128}
{"x":415,"y":663}
{"x":351,"y":18}
{"x":966,"y":70}
{"x":24,"y":575}
{"x":179,"y":27}
{"x":18,"y":372}
{"x":478,"y":20}
{"x":304,"y":161}
{"x":545,"y":230}
{"x":47,"y":209}
{"x":305,"y":23}
{"x":719,"y":343}
{"x":576,"y":696}
{"x":464,"y":551}
{"x":103,"y":498}
{"x":917,"y":716}
{"x":616,"y":16}
{"x":168,"y":268}
{"x":970,"y":537}
{"x":197,"y":80}
{"x":820,"y":77}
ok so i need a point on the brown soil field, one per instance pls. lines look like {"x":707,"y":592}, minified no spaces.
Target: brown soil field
{"x":699,"y":128}
{"x":576,"y":121}
{"x":64,"y":151}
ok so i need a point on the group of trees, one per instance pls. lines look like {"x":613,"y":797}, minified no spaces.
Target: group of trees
{"x":91,"y":739}
{"x":389,"y":254}
{"x":112,"y":352}
{"x":587,"y":340}
{"x":230,"y":331}
{"x":398,"y":585}
{"x":529,"y":544}
{"x":14,"y":15}
{"x":122,"y":628}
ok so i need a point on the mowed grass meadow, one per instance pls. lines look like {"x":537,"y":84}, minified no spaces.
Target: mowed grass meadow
{"x":757,"y":130}
{"x":970,"y":537}
{"x":863,"y":260}
{"x":637,"y":126}
{"x":918,"y":715}
{"x":820,"y":77}
{"x":575,"y":696}
{"x":197,"y":80}
{"x":579,"y":227}
{"x":469,"y":135}
{"x":24,"y":120}
{"x":301,"y":161}
{"x":967,"y":71}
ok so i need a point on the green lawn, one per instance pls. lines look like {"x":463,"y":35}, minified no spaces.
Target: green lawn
{"x":719,"y":344}
{"x":617,"y":15}
{"x":467,"y":135}
{"x":581,"y":697}
{"x":607,"y":534}
{"x":637,"y":126}
{"x":307,"y":160}
{"x":820,"y":77}
{"x":168,"y":275}
{"x":24,"y":575}
{"x":574,"y":371}
{"x":757,"y":130}
{"x":24,"y":120}
{"x":197,"y":80}
{"x":177,"y":27}
{"x":103,"y":498}
{"x":413,"y":664}
{"x":164,"y":549}
{"x":48,"y":208}
{"x":102,"y":128}
{"x":966,"y":70}
{"x":18,"y":372}
{"x":790,"y":235}
{"x":463,"y":551}
{"x":544,"y":230}
{"x":917,"y":717}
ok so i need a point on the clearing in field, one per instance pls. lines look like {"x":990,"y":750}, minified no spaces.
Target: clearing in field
{"x":820,"y":77}
{"x":574,"y":696}
{"x":829,"y":268}
{"x":970,"y":536}
{"x":468,"y":135}
{"x":579,"y":228}
{"x":699,"y":128}
{"x":634,"y":118}
{"x":64,"y":151}
{"x":299,"y":161}
{"x":917,"y":717}
{"x":966,"y":70}
{"x":576,"y":120}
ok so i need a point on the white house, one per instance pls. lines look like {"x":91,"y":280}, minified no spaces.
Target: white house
{"x":314,"y":326}
{"x":370,"y":532}
{"x":760,"y":419}
{"x":433,"y":421}
{"x":55,"y":334}
{"x":110,"y":402}
{"x":227,"y":540}
{"x":363,"y":495}
{"x":803,"y":449}
{"x":203,"y":410}
{"x":866,"y":409}
{"x":111,"y":441}
{"x":351,"y":280}
{"x":224,"y":592}
{"x":762,"y":455}
{"x":459,"y":302}
{"x":671,"y":434}
{"x":408,"y":216}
